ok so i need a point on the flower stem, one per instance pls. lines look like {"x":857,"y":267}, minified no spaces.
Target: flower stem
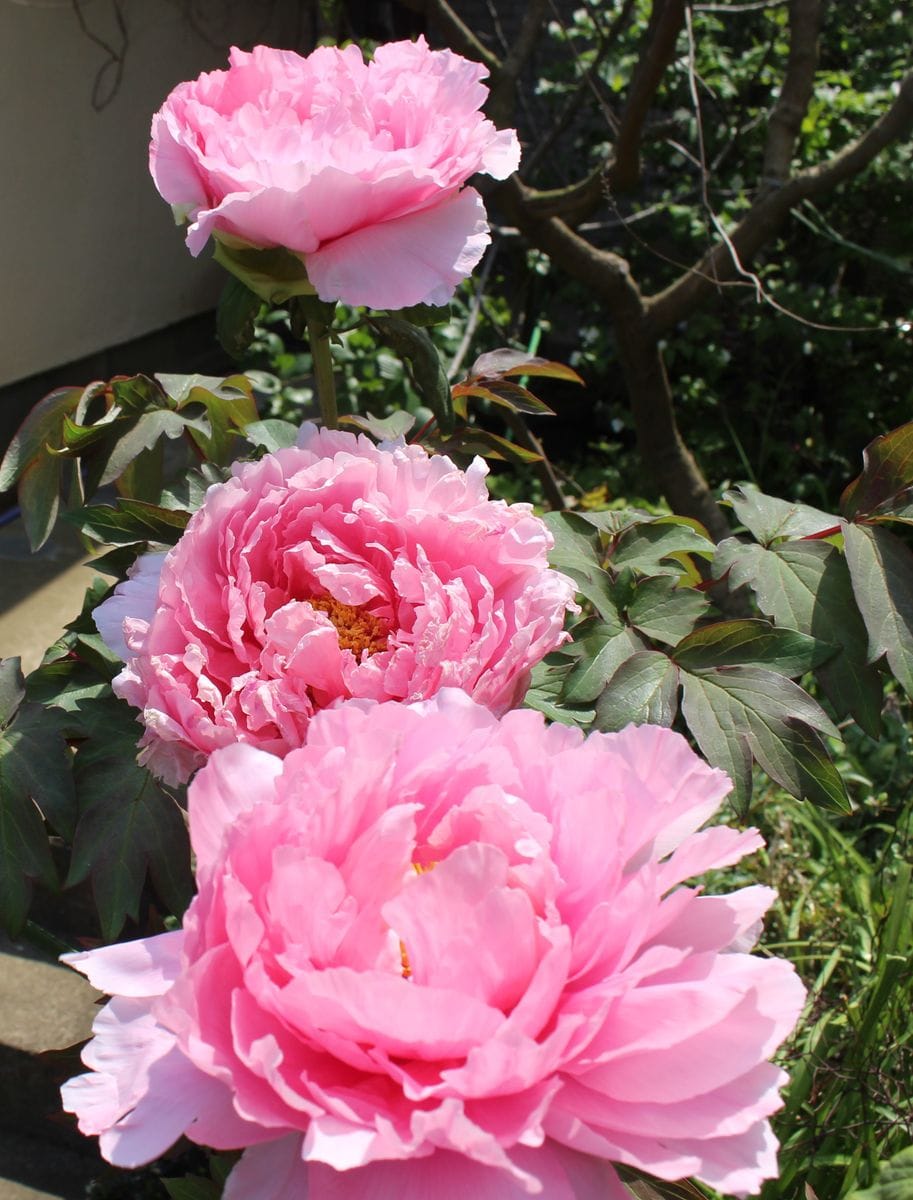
{"x":319,"y":338}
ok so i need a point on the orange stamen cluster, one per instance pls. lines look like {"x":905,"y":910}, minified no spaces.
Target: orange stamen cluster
{"x":358,"y":630}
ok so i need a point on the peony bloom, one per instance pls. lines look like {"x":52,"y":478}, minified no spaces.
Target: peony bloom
{"x":358,"y":168}
{"x":334,"y":569}
{"x":435,"y":954}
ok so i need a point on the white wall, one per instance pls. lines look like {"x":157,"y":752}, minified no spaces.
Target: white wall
{"x":89,"y":253}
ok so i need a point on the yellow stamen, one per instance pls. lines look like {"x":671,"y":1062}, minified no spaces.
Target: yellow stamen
{"x":358,"y":630}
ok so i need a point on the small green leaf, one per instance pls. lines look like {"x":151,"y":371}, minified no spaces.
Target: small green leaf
{"x":738,"y":643}
{"x":236,"y":317}
{"x":12,"y":689}
{"x":736,"y":713}
{"x":423,"y":314}
{"x":131,"y":521}
{"x":650,"y":547}
{"x":806,"y":585}
{"x":141,"y":435}
{"x":576,"y":546}
{"x":643,"y":690}
{"x":40,"y":427}
{"x":35,"y":781}
{"x":768,"y":517}
{"x":665,"y":612}
{"x":881,"y":568}
{"x":382,"y":429}
{"x":427,"y":370}
{"x":274,"y":275}
{"x":192,"y":1187}
{"x":887,"y":473}
{"x":128,"y":826}
{"x":39,"y":498}
{"x":603,"y":655}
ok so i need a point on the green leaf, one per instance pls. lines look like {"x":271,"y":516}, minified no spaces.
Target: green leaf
{"x":597,"y":587}
{"x":505,"y":394}
{"x":137,"y":394}
{"x":665,"y":612}
{"x":604,"y":652}
{"x":736,"y":713}
{"x":768,"y":517}
{"x":650,"y":547}
{"x":131,"y":521}
{"x":35,"y":781}
{"x":894,"y":1182}
{"x":189,"y":492}
{"x":192,"y":1187}
{"x":128,"y":826}
{"x":236,"y":317}
{"x":806,"y":585}
{"x":39,"y":498}
{"x":142,"y":435}
{"x":274,"y":275}
{"x":506,"y":362}
{"x":738,"y":643}
{"x":576,"y":547}
{"x":271,"y":434}
{"x":423,"y":314}
{"x":12,"y":689}
{"x":881,"y":568}
{"x":887,"y":472}
{"x":382,"y":429}
{"x":643,"y":690}
{"x":41,"y":426}
{"x":427,"y":370}
{"x":229,"y":406}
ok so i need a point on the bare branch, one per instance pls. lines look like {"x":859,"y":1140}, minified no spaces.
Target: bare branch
{"x":768,"y":212}
{"x":796,"y":92}
{"x":666,"y":21}
{"x":456,"y":32}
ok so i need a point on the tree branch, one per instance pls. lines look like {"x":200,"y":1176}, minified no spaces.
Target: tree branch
{"x":456,"y":33}
{"x":666,"y":21}
{"x":768,"y":212}
{"x":796,"y":92}
{"x":504,"y":78}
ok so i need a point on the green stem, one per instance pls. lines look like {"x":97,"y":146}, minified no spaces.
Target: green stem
{"x":319,"y":337}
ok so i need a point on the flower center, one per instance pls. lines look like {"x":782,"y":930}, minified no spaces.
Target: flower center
{"x":358,"y":630}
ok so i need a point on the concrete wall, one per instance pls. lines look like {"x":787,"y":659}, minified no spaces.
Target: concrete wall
{"x":89,"y":254}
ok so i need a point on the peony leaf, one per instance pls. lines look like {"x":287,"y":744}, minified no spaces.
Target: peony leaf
{"x":887,"y":473}
{"x":131,"y":521}
{"x":12,"y":689}
{"x":576,"y":545}
{"x":650,"y":547}
{"x":744,"y":712}
{"x":752,"y":642}
{"x":806,"y":585}
{"x":236,"y":316}
{"x":881,"y":568}
{"x":128,"y":825}
{"x":275,"y":275}
{"x":427,"y":370}
{"x":768,"y":517}
{"x":39,"y":498}
{"x":36,"y":782}
{"x":665,"y":612}
{"x":603,"y":653}
{"x":643,"y":690}
{"x":40,"y":427}
{"x":382,"y":429}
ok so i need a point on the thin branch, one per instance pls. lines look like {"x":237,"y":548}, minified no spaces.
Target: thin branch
{"x":796,"y":92}
{"x":762,"y":220}
{"x":456,"y":33}
{"x":587,"y":83}
{"x":666,"y":22}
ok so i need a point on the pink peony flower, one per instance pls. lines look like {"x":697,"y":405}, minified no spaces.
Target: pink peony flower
{"x":359,"y":168}
{"x":434,"y":954}
{"x":334,"y":569}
